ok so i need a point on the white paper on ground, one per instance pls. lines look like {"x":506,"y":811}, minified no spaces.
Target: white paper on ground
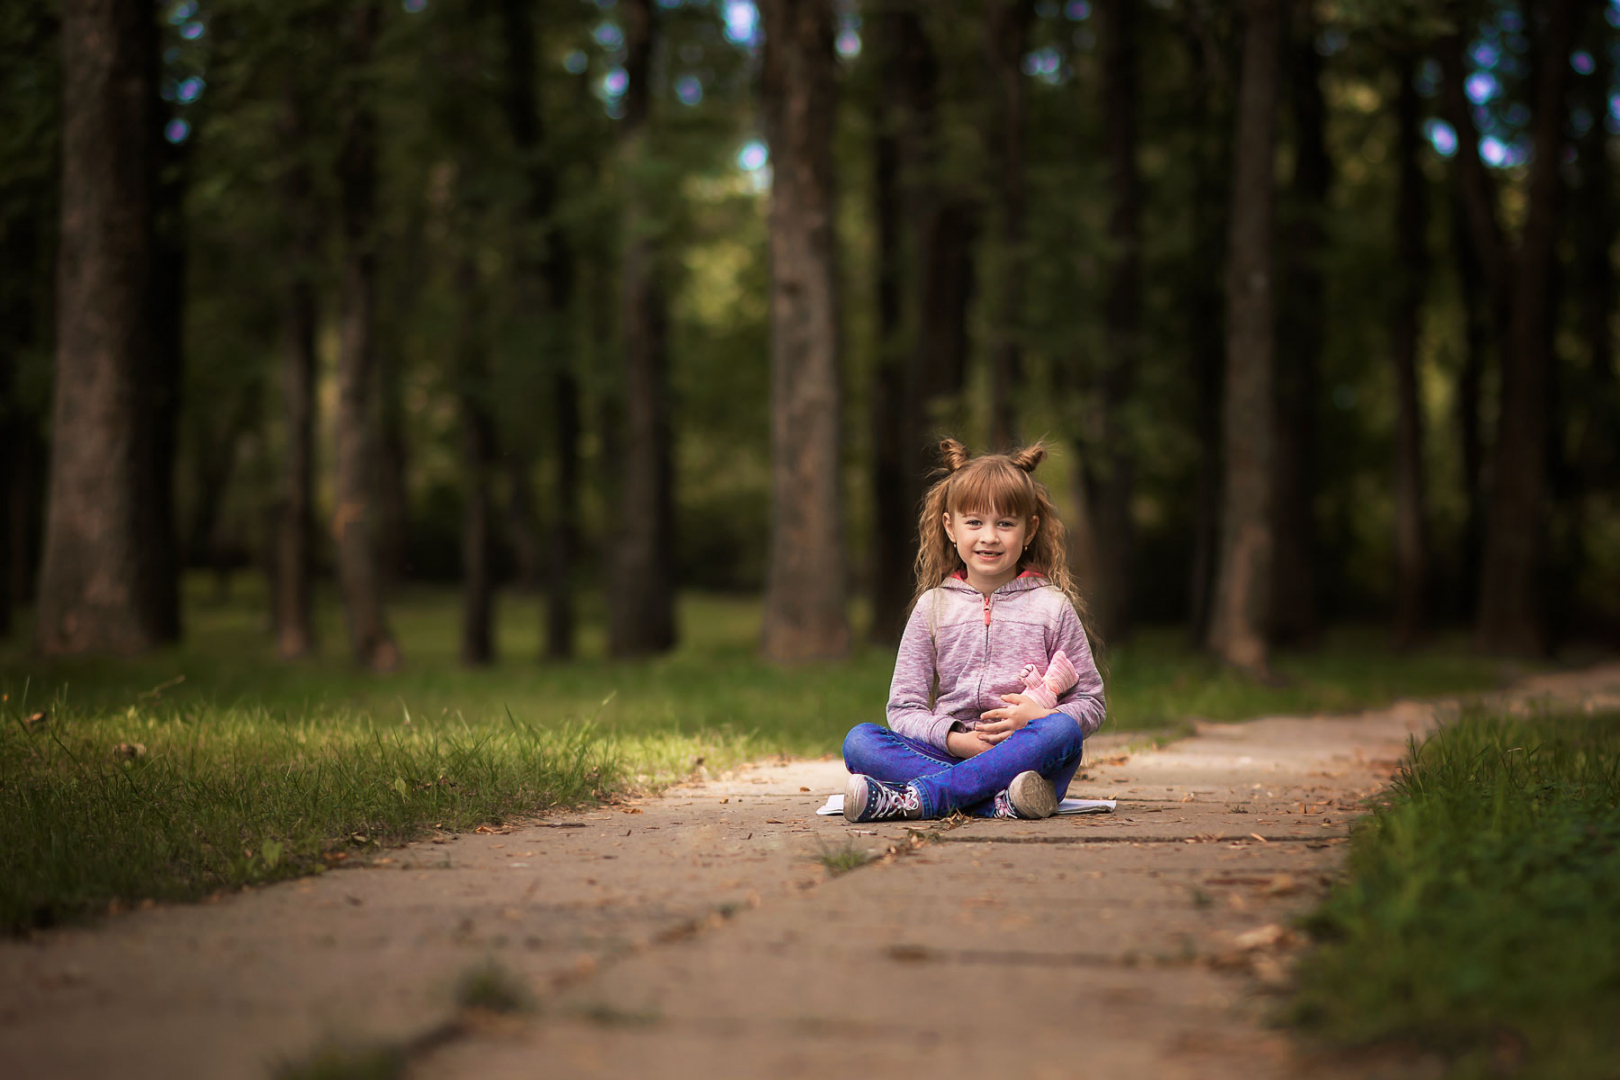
{"x":835,"y":805}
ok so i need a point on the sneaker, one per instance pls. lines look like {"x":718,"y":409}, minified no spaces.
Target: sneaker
{"x":1030,"y":795}
{"x":866,"y":799}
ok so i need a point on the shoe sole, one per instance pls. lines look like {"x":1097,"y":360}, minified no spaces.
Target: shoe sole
{"x":1031,"y":795}
{"x":856,"y":796}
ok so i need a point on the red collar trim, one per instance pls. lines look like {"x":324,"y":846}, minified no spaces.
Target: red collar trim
{"x":961,"y":575}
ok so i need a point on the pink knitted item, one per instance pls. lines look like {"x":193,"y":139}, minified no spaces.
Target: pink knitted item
{"x":1044,"y":690}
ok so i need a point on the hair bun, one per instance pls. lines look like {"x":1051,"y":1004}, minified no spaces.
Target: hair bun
{"x":953,"y":455}
{"x":1030,"y":456}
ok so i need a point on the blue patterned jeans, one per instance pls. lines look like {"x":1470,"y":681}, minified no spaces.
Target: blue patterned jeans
{"x":1051,"y":745}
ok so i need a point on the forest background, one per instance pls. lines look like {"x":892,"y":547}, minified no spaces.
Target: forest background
{"x":594,"y":302}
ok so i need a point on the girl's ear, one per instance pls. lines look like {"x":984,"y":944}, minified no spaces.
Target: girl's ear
{"x":949,"y":533}
{"x":1034,"y":525}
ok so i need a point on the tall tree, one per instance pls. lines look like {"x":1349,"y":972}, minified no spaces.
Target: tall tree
{"x":804,"y":595}
{"x":1201,"y":296}
{"x":1006,"y":40}
{"x":1411,"y":273}
{"x":295,"y":522}
{"x":354,"y":518}
{"x":894,"y":525}
{"x":1107,"y":459}
{"x":93,"y":593}
{"x":641,"y":616}
{"x":1512,"y":592}
{"x":1237,"y":619}
{"x":478,"y":464}
{"x":547,"y":266}
{"x":166,"y":377}
{"x":1301,"y":311}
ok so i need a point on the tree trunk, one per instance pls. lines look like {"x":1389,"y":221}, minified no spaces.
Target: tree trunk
{"x":355,"y":516}
{"x":393,"y":496}
{"x":94,"y":594}
{"x":548,"y":270}
{"x":1203,"y":305}
{"x":894,"y":525}
{"x":1512,"y":596}
{"x":1595,"y":236}
{"x":295,"y":524}
{"x":1294,"y":615}
{"x":805,"y":614}
{"x":1236,"y":631}
{"x":1007,"y":37}
{"x":164,"y":387}
{"x":478,"y":462}
{"x":642,"y":609}
{"x":1108,"y":465}
{"x":1412,"y":271}
{"x":1470,"y":391}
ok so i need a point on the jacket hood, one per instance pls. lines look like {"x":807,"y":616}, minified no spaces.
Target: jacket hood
{"x":1025,"y":581}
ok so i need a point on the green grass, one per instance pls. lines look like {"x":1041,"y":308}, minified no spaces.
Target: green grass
{"x":1481,"y":916}
{"x":257,"y":769}
{"x":492,"y":988}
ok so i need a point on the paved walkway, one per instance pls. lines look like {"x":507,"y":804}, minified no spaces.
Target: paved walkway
{"x":699,"y":935}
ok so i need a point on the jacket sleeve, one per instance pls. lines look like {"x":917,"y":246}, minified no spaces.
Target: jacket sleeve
{"x":1084,"y":701}
{"x":910,"y":693}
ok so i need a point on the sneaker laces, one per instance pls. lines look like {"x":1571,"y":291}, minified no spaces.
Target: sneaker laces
{"x":1002,"y":806}
{"x":895,"y":801}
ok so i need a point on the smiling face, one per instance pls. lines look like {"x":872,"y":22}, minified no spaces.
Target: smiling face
{"x":989,"y":544}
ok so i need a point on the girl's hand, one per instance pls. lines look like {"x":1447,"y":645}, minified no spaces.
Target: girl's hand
{"x":965,"y":744}
{"x":996,"y":724}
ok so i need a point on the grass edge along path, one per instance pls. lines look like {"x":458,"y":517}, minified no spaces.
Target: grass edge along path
{"x":1479,"y":921}
{"x":226,"y":798}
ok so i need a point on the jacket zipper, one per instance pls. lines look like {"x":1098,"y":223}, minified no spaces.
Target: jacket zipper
{"x":986,"y":666}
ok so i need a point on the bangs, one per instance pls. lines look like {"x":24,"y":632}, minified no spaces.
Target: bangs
{"x":992,"y":485}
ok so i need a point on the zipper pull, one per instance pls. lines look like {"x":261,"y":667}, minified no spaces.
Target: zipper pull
{"x":987,"y":611}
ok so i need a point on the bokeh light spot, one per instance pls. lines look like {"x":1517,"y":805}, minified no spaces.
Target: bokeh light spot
{"x":742,"y":22}
{"x":189,"y":90}
{"x":1493,"y":151}
{"x":192,"y":31}
{"x":1485,"y":54}
{"x":608,"y":35}
{"x":176,"y":131}
{"x":182,"y":12}
{"x":689,"y":89}
{"x":1441,"y":137}
{"x":1481,"y":87}
{"x":848,"y":43}
{"x":575,"y":63}
{"x":753,"y":156}
{"x":616,"y":82}
{"x":1583,"y":63}
{"x":1076,"y":10}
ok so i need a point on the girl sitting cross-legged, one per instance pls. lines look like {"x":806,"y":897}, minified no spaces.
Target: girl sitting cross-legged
{"x":972,"y":724}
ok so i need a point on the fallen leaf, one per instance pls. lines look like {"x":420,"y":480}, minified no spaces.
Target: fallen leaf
{"x":804,"y":789}
{"x":37,"y":722}
{"x":632,"y":810}
{"x":1263,"y":937}
{"x":1260,"y":838}
{"x":129,"y":751}
{"x":774,"y":821}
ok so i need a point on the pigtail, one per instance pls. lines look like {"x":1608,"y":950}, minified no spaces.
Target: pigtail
{"x":1029,"y":457}
{"x":952,"y":456}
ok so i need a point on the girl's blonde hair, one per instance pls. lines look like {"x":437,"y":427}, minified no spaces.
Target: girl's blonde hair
{"x":992,"y":484}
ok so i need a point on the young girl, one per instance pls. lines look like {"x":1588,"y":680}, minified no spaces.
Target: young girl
{"x":993,"y":595}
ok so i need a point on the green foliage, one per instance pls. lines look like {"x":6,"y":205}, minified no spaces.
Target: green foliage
{"x":844,"y":857}
{"x":339,"y":1061}
{"x":1481,"y":917}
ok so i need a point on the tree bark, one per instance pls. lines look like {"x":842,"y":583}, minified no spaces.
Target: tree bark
{"x":164,"y":386}
{"x":393,"y":495}
{"x":805,"y":614}
{"x":94,"y":594}
{"x":1294,"y":615}
{"x":1470,"y":393}
{"x":1006,"y":38}
{"x":1512,"y":597}
{"x":642,"y":609}
{"x":1237,"y":620}
{"x":1108,"y":464}
{"x":1203,"y":304}
{"x":1412,"y":271}
{"x":894,"y":525}
{"x":355,"y":515}
{"x":478,"y":463}
{"x":295,"y":523}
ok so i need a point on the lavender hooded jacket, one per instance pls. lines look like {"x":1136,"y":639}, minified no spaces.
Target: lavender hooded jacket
{"x":977,"y":645}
